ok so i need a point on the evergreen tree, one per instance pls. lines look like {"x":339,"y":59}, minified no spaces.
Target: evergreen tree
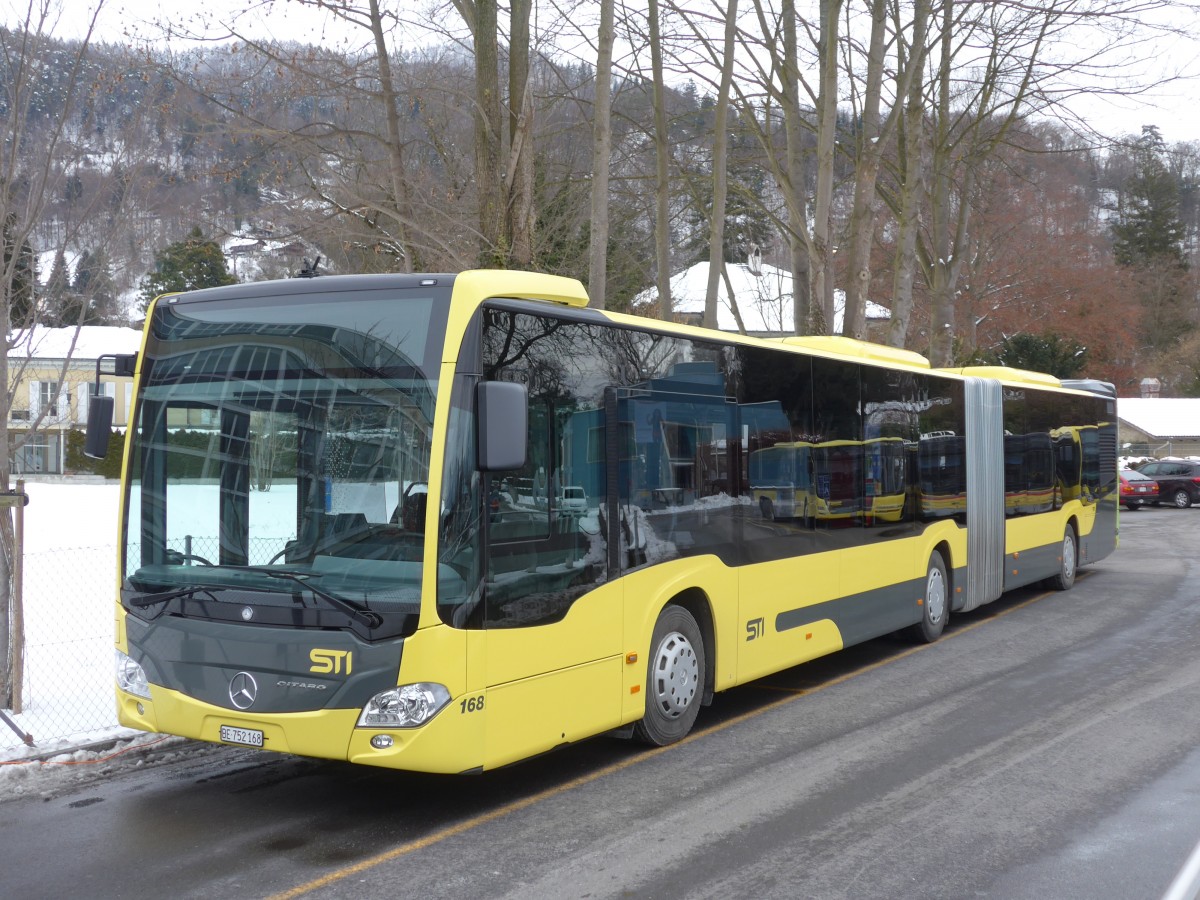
{"x":94,"y":286}
{"x":1148,"y":239}
{"x":1060,"y":357}
{"x":22,"y":287}
{"x":1148,"y":230}
{"x":57,"y":292}
{"x":186,"y":266}
{"x":748,"y":224}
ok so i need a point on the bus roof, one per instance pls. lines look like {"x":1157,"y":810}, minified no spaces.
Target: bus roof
{"x":1007,"y":374}
{"x":838,"y":345}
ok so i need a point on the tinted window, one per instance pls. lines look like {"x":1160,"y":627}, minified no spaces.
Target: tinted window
{"x":546,"y":545}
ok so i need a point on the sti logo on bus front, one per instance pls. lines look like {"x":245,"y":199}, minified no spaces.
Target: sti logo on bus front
{"x":330,"y":661}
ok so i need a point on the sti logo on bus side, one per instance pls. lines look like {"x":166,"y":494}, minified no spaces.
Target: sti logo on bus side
{"x":330,"y":661}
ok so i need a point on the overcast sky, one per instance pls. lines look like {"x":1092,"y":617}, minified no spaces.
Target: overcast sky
{"x":1175,"y":109}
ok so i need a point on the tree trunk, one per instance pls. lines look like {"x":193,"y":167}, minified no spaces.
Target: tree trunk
{"x":395,"y":147}
{"x":716,"y":239}
{"x":7,"y":548}
{"x":488,"y":130}
{"x":875,"y":134}
{"x":795,"y":194}
{"x":662,"y":185}
{"x":911,"y":196}
{"x":601,"y":149}
{"x":520,"y":205}
{"x":822,"y":262}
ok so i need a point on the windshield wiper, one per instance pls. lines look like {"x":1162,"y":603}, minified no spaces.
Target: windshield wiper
{"x":150,"y":599}
{"x":354,"y":610}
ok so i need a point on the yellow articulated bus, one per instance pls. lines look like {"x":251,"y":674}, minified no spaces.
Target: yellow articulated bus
{"x":447,"y":522}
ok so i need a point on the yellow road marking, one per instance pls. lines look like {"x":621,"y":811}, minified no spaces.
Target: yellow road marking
{"x":518,"y":805}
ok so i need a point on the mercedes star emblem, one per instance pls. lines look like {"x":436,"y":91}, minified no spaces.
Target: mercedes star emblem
{"x":242,"y":690}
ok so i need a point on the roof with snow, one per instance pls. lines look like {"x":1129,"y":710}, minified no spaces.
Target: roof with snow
{"x":1173,"y":417}
{"x":87,"y":342}
{"x":763,"y":295}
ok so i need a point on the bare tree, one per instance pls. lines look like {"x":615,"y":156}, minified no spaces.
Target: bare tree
{"x":873,"y":136}
{"x":520,"y":212}
{"x":716,"y":234}
{"x":356,"y":169}
{"x":32,"y":174}
{"x":481,"y":17}
{"x":793,"y":182}
{"x":827,"y":100}
{"x":909,"y":193}
{"x":995,"y":66}
{"x":601,"y":151}
{"x":662,"y":184}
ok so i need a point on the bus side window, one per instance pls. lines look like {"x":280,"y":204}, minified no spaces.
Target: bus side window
{"x":545,"y":544}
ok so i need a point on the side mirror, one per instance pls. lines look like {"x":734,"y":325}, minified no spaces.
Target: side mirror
{"x":502,"y":410}
{"x":99,"y":426}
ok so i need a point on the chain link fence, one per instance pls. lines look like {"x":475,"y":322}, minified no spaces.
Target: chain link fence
{"x":67,"y":688}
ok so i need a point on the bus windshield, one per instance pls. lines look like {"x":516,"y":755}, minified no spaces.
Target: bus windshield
{"x":281,"y":452}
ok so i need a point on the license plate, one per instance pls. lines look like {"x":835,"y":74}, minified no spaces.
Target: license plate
{"x":248,"y":736}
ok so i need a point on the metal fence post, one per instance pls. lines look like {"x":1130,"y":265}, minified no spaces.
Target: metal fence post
{"x":16,"y":622}
{"x":18,"y":605}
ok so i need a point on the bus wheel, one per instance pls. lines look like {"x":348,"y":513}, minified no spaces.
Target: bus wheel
{"x":935,"y":610}
{"x":766,"y":508}
{"x":674,"y":678}
{"x":1066,"y":568}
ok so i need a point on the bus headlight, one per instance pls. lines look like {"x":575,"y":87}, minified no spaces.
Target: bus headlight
{"x":131,"y":677}
{"x":406,"y":706}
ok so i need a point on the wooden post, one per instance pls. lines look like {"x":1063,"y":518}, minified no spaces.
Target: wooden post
{"x":17,"y":499}
{"x":18,"y":600}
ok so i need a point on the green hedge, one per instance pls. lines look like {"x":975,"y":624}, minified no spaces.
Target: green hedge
{"x":109,"y":467}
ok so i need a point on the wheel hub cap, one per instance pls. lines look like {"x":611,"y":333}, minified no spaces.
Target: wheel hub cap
{"x":676,"y":671}
{"x":935,"y":596}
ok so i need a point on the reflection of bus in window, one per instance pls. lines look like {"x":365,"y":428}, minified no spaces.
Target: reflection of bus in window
{"x":781,"y":480}
{"x":1029,"y":473}
{"x":942,"y":464}
{"x":885,"y":470}
{"x":831,"y":481}
{"x":1082,"y":455}
{"x":837,"y":480}
{"x":449,"y":522}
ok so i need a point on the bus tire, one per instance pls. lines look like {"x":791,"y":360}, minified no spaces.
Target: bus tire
{"x":766,"y":508}
{"x":1068,"y":562}
{"x":935,"y":606}
{"x":674,"y":678}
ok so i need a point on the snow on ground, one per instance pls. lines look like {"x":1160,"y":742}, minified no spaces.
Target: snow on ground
{"x":68,"y":590}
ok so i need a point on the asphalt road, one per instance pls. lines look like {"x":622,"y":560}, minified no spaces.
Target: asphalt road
{"x":1046,"y":747}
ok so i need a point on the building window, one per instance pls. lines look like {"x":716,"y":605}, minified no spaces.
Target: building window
{"x":46,"y":395}
{"x":37,"y":456}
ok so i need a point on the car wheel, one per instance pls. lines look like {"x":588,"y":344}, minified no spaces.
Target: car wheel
{"x":1068,"y":560}
{"x":1182,"y":499}
{"x":1132,"y":507}
{"x":935,"y":605}
{"x":674,"y":678}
